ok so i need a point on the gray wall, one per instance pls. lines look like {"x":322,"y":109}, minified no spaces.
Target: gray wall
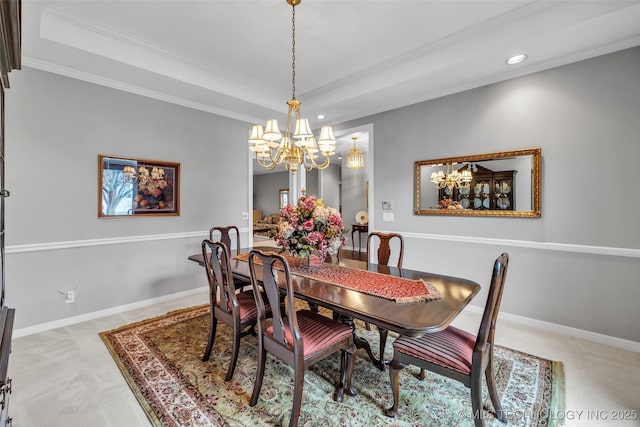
{"x":585,"y":118}
{"x":55,"y":129}
{"x":313,"y":181}
{"x":330,"y":178}
{"x":266,"y":191}
{"x":568,"y":267}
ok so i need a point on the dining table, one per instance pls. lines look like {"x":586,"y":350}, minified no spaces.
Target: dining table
{"x":406,"y":318}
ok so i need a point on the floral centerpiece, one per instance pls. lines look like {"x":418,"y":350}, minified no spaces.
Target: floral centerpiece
{"x":310,"y":227}
{"x":449,"y":204}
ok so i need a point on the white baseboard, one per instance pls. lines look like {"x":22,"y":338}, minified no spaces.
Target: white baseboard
{"x":103,"y":313}
{"x":563,"y":330}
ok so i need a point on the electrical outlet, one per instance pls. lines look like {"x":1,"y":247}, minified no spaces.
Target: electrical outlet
{"x":386,"y":205}
{"x":245,"y":216}
{"x":70,"y":297}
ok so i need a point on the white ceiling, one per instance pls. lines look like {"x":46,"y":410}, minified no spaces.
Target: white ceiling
{"x":353,"y":57}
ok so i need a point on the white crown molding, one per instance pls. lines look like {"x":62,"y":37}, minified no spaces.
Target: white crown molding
{"x":137,"y":90}
{"x":103,"y":313}
{"x":77,"y":32}
{"x":544,"y":246}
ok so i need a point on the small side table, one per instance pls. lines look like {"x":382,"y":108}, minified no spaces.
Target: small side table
{"x":360,"y":228}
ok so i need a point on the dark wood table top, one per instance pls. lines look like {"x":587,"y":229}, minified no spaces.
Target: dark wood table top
{"x":408,"y":318}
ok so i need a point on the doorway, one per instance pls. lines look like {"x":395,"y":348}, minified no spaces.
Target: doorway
{"x":340,"y":187}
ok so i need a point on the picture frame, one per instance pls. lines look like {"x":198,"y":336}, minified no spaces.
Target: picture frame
{"x":283,"y":197}
{"x":137,"y":187}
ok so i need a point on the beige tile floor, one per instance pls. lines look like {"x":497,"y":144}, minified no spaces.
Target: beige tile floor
{"x":66,"y":377}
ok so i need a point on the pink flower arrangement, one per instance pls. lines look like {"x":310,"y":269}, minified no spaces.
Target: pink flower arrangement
{"x":449,"y":204}
{"x":310,"y":227}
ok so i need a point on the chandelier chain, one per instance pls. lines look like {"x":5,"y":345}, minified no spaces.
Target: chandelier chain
{"x":293,"y":53}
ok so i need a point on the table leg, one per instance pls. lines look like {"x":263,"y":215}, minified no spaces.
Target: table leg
{"x":361,"y":342}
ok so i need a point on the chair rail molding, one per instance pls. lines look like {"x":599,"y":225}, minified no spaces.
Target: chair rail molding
{"x":544,"y":246}
{"x":51,"y":246}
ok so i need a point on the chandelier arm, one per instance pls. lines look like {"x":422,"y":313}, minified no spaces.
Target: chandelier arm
{"x":279,"y":157}
{"x":272,"y":162}
{"x":322,"y":165}
{"x":261,"y":162}
{"x":269,"y":166}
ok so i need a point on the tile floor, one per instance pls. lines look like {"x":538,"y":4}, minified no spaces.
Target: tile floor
{"x":66,"y":376}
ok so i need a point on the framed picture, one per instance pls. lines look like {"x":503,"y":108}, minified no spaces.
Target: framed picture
{"x":284,"y":198}
{"x":137,"y":187}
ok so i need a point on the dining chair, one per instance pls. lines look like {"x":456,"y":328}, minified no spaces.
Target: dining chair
{"x":225,"y":237}
{"x":237,"y":310}
{"x":383,"y":253}
{"x":298,"y":338}
{"x":457,"y":354}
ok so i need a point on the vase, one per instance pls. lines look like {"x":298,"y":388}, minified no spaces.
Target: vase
{"x":313,"y":260}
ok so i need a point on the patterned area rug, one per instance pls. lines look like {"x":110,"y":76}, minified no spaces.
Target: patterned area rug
{"x":161,"y":360}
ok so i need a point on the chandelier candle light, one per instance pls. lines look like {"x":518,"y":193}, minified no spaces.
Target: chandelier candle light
{"x":453,"y":178}
{"x":273,"y":148}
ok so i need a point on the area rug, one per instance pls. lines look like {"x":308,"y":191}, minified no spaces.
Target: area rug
{"x":160,"y":359}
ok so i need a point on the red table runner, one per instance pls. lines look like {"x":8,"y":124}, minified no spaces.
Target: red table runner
{"x":393,"y":288}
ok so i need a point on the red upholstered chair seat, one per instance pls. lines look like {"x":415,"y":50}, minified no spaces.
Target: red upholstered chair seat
{"x":451,"y":348}
{"x":247,"y":305}
{"x":318,"y":332}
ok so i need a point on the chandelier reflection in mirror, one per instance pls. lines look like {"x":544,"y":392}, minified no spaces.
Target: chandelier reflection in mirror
{"x":143,"y":176}
{"x":299,"y":149}
{"x":452,"y":178}
{"x":355,"y":157}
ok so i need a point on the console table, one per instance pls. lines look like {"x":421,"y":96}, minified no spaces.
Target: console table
{"x":360,"y":228}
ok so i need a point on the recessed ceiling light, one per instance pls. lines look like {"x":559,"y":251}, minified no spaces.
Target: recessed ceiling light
{"x":321,"y":117}
{"x":516,"y":59}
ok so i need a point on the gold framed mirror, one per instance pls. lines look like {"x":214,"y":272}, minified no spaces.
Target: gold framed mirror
{"x":505,"y":184}
{"x":137,"y":187}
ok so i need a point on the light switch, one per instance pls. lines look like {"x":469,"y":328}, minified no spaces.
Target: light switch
{"x":387,"y":216}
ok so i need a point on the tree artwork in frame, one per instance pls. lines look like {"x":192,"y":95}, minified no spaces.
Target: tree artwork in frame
{"x":137,"y":187}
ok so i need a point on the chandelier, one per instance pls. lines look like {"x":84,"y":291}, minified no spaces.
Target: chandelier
{"x":143,"y":175}
{"x":299,"y":149}
{"x":355,"y":158}
{"x":452,"y":179}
